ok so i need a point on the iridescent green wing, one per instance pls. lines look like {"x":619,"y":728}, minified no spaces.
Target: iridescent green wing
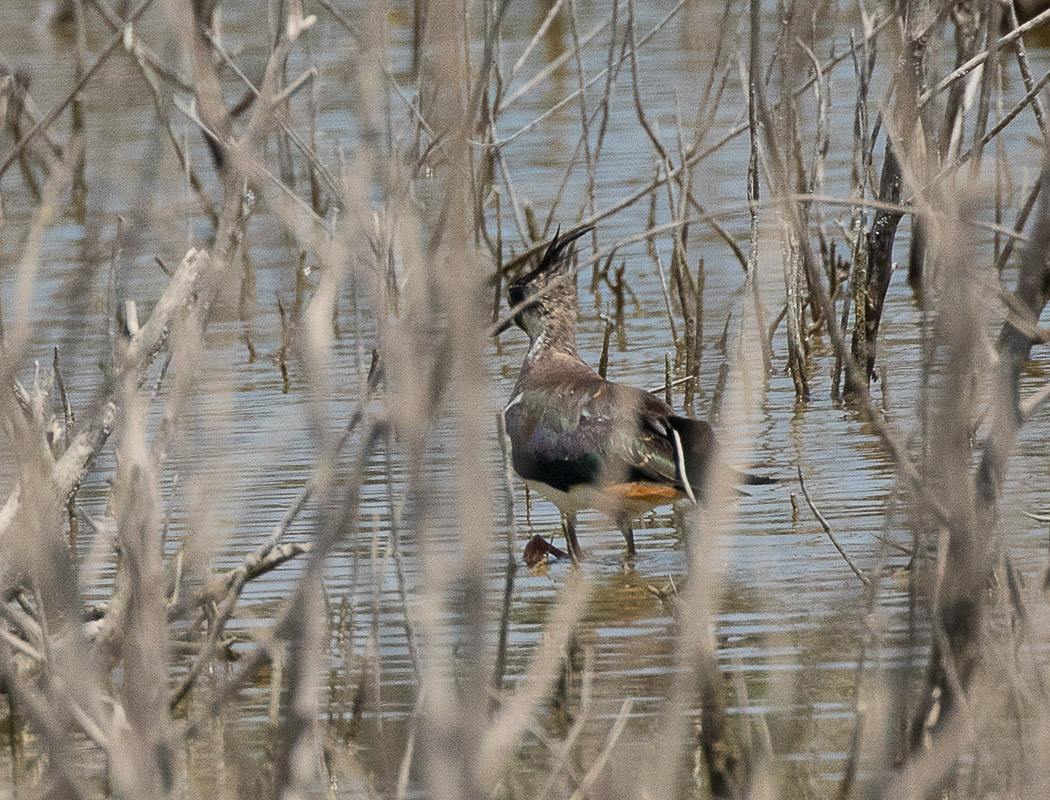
{"x":594,"y":434}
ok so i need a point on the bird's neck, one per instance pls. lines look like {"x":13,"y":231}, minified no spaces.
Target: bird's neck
{"x":557,"y":335}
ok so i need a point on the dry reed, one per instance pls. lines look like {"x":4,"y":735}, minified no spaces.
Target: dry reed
{"x":415,"y":225}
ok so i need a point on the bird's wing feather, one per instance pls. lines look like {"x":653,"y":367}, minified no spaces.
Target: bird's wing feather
{"x":597,"y":433}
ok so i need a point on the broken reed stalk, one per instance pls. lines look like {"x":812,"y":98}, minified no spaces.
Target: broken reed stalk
{"x":793,"y":274}
{"x":753,"y":197}
{"x":863,"y":64}
{"x":603,"y":361}
{"x":76,"y":110}
{"x":667,"y":380}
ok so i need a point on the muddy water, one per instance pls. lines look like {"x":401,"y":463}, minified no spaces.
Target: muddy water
{"x":792,"y":614}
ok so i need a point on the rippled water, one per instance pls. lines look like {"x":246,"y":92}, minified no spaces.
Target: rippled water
{"x":792,"y":614}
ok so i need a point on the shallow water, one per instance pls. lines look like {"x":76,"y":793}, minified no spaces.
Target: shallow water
{"x":792,"y":614}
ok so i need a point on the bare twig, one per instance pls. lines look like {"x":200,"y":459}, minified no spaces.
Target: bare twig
{"x":831,"y":534}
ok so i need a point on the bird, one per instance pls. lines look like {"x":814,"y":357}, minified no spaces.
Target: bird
{"x":584,"y":442}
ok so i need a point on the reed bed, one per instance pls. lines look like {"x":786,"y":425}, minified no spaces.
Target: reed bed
{"x":123,"y":669}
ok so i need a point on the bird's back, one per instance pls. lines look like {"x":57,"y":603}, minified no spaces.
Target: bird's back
{"x":569,"y":427}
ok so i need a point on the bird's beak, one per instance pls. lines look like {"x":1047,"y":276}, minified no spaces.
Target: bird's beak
{"x":501,"y":327}
{"x":512,"y":315}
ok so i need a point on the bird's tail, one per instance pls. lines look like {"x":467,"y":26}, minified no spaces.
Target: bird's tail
{"x":698,"y":445}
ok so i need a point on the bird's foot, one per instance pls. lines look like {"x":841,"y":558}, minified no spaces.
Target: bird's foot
{"x":539,"y":550}
{"x":628,"y":536}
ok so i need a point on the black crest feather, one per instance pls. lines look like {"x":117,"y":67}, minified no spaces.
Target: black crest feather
{"x":555,"y":253}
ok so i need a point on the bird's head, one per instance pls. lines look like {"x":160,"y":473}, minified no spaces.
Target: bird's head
{"x":551,"y":286}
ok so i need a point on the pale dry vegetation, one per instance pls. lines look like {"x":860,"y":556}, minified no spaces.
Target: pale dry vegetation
{"x":139,"y":693}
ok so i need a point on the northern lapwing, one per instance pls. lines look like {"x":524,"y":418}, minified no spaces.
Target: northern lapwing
{"x":585,"y":442}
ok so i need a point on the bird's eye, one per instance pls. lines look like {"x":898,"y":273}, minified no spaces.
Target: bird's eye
{"x":515,"y":294}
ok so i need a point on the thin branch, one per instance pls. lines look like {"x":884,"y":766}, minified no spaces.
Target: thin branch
{"x":831,"y":534}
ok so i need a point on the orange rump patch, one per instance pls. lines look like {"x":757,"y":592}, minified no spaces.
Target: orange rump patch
{"x":643,"y":494}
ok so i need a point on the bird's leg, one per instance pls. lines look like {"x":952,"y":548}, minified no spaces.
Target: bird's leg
{"x":568,"y":522}
{"x":628,"y":535}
